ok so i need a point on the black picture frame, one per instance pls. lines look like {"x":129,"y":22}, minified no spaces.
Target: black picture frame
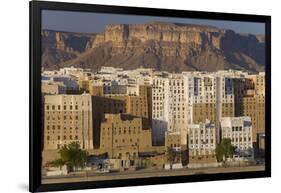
{"x":35,"y":184}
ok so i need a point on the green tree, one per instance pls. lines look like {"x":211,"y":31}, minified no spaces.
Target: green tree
{"x":57,"y":163}
{"x":172,"y":156}
{"x":224,"y":149}
{"x":72,"y":156}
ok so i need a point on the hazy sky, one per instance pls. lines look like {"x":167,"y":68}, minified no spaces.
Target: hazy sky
{"x":95,"y":22}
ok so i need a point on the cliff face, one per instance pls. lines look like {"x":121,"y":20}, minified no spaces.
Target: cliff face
{"x":58,"y":47}
{"x":167,"y":46}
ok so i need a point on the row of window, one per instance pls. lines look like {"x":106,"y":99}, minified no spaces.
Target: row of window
{"x":59,"y":132}
{"x":65,"y":117}
{"x":70,"y":137}
{"x":48,"y":127}
{"x":176,"y":83}
{"x":206,"y":133}
{"x":240,"y":139}
{"x":202,"y":146}
{"x":121,"y":140}
{"x":58,"y":107}
{"x":122,"y":132}
{"x":174,"y":145}
{"x":196,"y":141}
{"x":158,"y":98}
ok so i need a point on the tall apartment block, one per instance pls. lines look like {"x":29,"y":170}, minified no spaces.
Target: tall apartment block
{"x":254,"y":104}
{"x":122,"y":135}
{"x":239,"y":131}
{"x":250,"y":101}
{"x":202,"y":145}
{"x":170,"y":107}
{"x":179,"y":100}
{"x":137,"y":105}
{"x":160,"y":109}
{"x":67,"y":118}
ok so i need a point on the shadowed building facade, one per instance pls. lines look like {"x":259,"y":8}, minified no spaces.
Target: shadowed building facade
{"x":68,"y":118}
{"x":250,"y":101}
{"x":139,"y":106}
{"x":123,"y":137}
{"x":123,"y":132}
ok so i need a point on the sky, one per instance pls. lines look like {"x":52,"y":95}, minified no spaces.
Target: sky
{"x":95,"y":22}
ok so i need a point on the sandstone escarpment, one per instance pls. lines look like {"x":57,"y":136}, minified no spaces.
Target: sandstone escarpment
{"x":159,"y":32}
{"x":58,"y":46}
{"x":168,"y":46}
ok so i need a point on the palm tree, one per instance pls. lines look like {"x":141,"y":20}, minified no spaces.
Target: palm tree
{"x":224,"y":149}
{"x":72,"y":156}
{"x":172,"y":156}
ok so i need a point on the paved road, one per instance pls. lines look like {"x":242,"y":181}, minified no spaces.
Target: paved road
{"x":146,"y":173}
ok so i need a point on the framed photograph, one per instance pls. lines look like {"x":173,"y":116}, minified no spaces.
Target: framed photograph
{"x":126,"y":96}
